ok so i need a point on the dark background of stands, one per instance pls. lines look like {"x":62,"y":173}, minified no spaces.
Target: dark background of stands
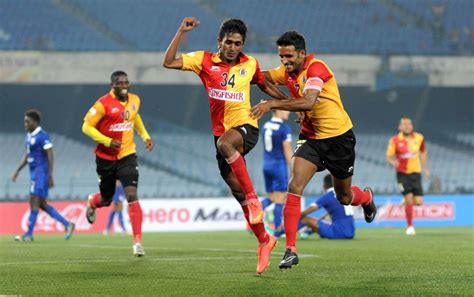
{"x":438,"y":112}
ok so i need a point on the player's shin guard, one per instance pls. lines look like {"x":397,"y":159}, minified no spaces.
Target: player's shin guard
{"x":136,"y":218}
{"x":291,"y":214}
{"x":409,"y":214}
{"x":360,"y":197}
{"x":32,"y":221}
{"x":257,"y":229}
{"x":56,"y":215}
{"x":237,"y":164}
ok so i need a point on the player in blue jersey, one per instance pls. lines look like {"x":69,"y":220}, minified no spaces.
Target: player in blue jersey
{"x":276,"y":137}
{"x":338,"y":223}
{"x":39,"y":157}
{"x":117,"y":202}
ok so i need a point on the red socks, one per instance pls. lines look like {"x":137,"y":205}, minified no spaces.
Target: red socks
{"x":291,"y":215}
{"x":136,"y":217}
{"x":237,"y":164}
{"x":360,"y":197}
{"x":409,"y":214}
{"x":258,"y":229}
{"x":96,"y":200}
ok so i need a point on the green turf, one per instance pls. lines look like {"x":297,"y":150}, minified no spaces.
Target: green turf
{"x":437,"y":261}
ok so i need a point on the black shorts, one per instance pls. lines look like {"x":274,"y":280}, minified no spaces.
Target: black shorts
{"x":410,"y":183}
{"x":125,"y":170}
{"x":249,"y":134}
{"x":336,"y":154}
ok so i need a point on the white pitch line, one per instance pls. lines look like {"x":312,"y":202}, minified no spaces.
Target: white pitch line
{"x":123,"y":260}
{"x":194,"y":249}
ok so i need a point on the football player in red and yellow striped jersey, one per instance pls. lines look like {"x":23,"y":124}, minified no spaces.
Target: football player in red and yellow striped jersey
{"x":326,"y":139}
{"x":227,"y":76}
{"x":403,"y":153}
{"x":111,"y":123}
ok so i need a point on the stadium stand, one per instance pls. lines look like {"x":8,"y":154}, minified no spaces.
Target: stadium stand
{"x":75,"y":177}
{"x":183,"y":165}
{"x":88,"y":25}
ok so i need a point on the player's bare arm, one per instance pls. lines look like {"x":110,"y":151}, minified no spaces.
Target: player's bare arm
{"x":268,"y":77}
{"x":170,"y":61}
{"x":23,"y":163}
{"x":304,"y":103}
{"x":49,"y":155}
{"x":309,"y":210}
{"x":272,"y":90}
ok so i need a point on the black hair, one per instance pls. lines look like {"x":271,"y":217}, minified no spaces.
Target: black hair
{"x":292,"y":38}
{"x":327,"y":182}
{"x":116,"y":74}
{"x":34,"y":114}
{"x":233,"y":26}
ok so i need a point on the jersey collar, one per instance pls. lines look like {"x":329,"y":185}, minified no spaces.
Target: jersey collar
{"x":112,"y":94}
{"x":35,"y":131}
{"x":305,"y":65}
{"x":402,"y":136}
{"x":274,"y":119}
{"x":242,"y":58}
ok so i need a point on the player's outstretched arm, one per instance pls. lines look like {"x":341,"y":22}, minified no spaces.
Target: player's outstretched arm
{"x":309,"y":210}
{"x":304,"y":103}
{"x":170,"y":61}
{"x":23,"y":163}
{"x":272,"y":90}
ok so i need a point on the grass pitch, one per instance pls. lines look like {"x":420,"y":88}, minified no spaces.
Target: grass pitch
{"x":437,"y":261}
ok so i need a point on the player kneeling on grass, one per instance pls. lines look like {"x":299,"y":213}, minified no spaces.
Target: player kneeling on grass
{"x":111,"y":123}
{"x":338,"y":223}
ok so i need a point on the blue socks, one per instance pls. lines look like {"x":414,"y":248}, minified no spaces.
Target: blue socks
{"x":266,"y":202}
{"x":111,"y":220}
{"x":32,"y":221}
{"x":55,"y":215}
{"x":278,"y":215}
{"x":122,"y":224}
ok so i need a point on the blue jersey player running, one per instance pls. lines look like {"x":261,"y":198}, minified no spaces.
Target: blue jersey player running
{"x":276,"y":160}
{"x":39,"y":157}
{"x":338,"y":223}
{"x":117,"y":209}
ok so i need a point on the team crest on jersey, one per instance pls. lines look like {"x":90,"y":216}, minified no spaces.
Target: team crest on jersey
{"x":243,"y":72}
{"x":133,"y":107}
{"x":215,"y":68}
{"x":32,"y":140}
{"x":115,"y":109}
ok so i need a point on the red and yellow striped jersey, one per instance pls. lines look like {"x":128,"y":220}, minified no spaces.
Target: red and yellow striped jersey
{"x":328,"y":117}
{"x":116,"y":120}
{"x":407,"y":150}
{"x":227,"y":87}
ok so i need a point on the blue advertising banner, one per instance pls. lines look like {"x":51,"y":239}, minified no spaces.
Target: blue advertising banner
{"x":436,"y":211}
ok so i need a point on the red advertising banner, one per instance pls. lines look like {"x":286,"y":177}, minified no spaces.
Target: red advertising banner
{"x":14,"y":218}
{"x":427,"y":211}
